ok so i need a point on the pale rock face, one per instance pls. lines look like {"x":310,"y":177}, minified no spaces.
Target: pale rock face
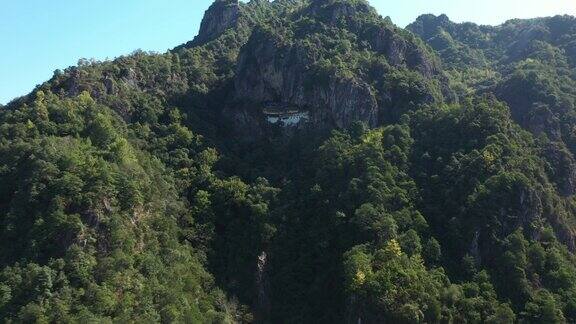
{"x":270,"y":70}
{"x":222,"y":15}
{"x":266,"y":72}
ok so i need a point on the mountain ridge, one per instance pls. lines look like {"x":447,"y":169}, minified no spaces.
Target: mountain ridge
{"x":299,"y":162}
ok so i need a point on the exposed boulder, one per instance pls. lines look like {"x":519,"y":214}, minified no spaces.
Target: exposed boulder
{"x":109,"y":85}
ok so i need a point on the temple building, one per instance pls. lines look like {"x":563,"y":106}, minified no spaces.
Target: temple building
{"x":285,"y":114}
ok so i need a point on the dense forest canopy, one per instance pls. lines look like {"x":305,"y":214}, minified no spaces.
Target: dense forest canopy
{"x":299,"y":161}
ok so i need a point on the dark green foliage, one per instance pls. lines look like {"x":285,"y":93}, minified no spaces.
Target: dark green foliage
{"x":526,"y":63}
{"x":89,"y":223}
{"x":129,"y":194}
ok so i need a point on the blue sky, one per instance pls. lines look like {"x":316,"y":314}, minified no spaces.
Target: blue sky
{"x":40,"y":36}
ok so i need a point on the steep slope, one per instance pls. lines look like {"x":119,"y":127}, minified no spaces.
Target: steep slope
{"x":89,"y":222}
{"x":340,"y":62}
{"x":529,"y":64}
{"x":298,"y":162}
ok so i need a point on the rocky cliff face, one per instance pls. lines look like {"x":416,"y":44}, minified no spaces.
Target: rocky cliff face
{"x":272,"y":72}
{"x":382,"y":36}
{"x":222,"y":15}
{"x":285,"y":66}
{"x":400,"y":52}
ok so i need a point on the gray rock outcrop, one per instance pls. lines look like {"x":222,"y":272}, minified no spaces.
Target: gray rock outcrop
{"x":270,"y":72}
{"x":222,"y":15}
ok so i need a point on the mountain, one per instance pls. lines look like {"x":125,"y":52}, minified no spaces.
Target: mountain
{"x":299,"y":161}
{"x":528,"y":64}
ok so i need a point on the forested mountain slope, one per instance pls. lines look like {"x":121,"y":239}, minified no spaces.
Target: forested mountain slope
{"x":299,"y":162}
{"x":529,"y":64}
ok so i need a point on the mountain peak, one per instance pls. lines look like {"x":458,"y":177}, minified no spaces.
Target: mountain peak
{"x":222,"y":15}
{"x":299,"y":161}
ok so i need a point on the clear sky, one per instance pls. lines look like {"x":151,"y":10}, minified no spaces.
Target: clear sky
{"x":40,"y":36}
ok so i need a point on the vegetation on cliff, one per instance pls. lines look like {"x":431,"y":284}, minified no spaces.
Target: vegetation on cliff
{"x":433,"y":183}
